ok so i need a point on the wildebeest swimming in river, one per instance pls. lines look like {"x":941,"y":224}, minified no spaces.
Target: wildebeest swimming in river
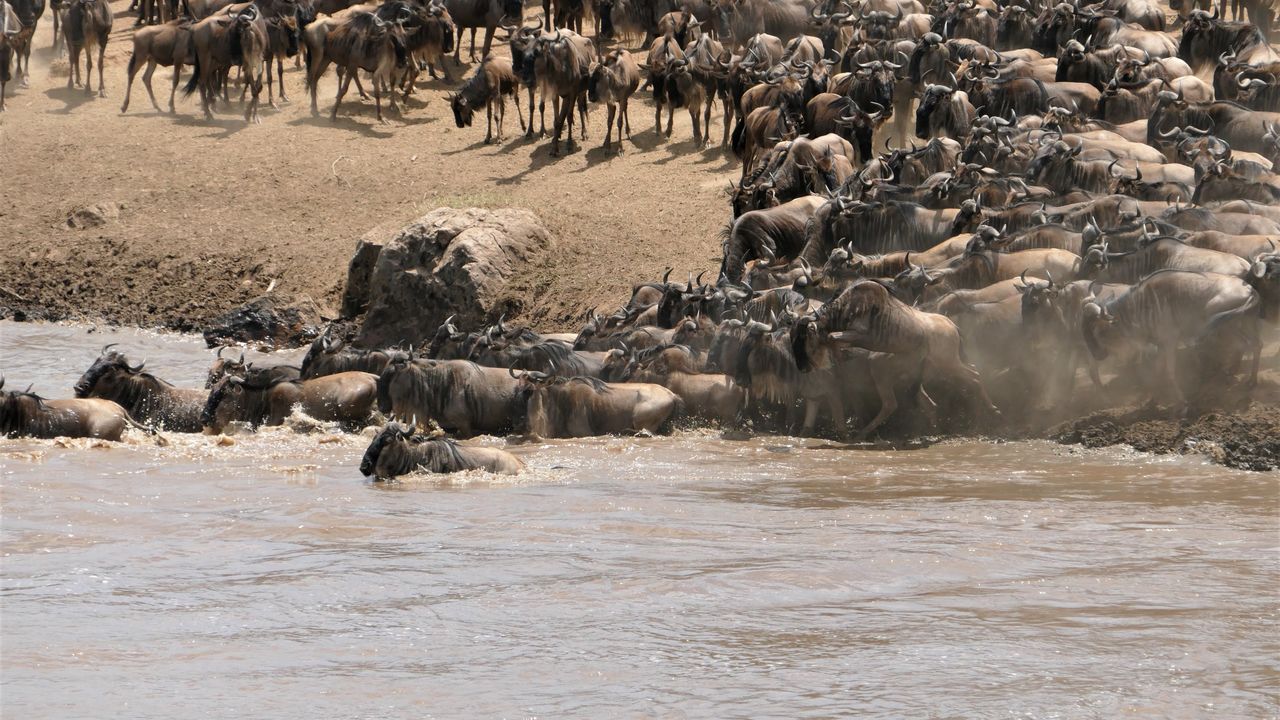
{"x":145,"y":396}
{"x":396,"y":451}
{"x":25,"y":414}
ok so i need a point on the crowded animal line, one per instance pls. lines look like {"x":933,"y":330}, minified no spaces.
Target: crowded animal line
{"x":1095,"y":195}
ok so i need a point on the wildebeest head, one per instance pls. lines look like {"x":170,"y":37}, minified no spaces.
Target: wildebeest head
{"x":1096,"y":258}
{"x":224,"y":400}
{"x":1097,"y":324}
{"x":321,"y":346}
{"x":933,"y":97}
{"x":285,"y":27}
{"x":1264,"y":272}
{"x":392,"y":433}
{"x":1049,"y":155}
{"x":224,"y":366}
{"x":463,"y":112}
{"x":1038,"y":300}
{"x":107,"y":369}
{"x":439,"y":14}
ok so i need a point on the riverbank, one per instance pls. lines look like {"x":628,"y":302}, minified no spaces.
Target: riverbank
{"x":202,"y":216}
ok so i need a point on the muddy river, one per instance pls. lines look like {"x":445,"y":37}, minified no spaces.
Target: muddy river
{"x":682,"y":576}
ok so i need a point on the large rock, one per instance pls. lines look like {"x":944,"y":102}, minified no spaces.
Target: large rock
{"x":267,"y":319}
{"x":449,"y":262}
{"x":355,"y":298}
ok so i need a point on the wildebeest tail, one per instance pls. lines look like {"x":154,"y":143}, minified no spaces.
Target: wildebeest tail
{"x":194,"y":81}
{"x":133,"y":65}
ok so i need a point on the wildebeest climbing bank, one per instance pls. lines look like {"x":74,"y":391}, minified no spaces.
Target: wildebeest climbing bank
{"x":860,"y":220}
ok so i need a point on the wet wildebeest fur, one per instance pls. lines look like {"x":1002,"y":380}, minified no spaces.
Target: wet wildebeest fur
{"x":25,"y":414}
{"x":397,"y":451}
{"x":146,"y":397}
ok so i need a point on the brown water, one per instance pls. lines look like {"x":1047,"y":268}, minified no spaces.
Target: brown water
{"x":668,"y":577}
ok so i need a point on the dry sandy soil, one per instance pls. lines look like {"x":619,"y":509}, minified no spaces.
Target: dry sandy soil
{"x":213,"y":212}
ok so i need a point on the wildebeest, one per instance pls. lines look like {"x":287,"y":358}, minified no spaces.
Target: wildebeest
{"x":9,"y":29}
{"x":327,"y":356}
{"x":462,"y":397}
{"x":397,"y":451}
{"x":144,"y":396}
{"x":867,"y":316}
{"x":25,"y":414}
{"x":1217,"y":314}
{"x":1160,"y":254}
{"x":168,"y":45}
{"x":569,"y":57}
{"x":492,"y":81}
{"x":223,"y":366}
{"x":613,"y":81}
{"x":769,"y":234}
{"x":18,"y":38}
{"x":488,"y":14}
{"x":236,"y":38}
{"x":347,"y":397}
{"x":582,"y":407}
{"x":361,"y":41}
{"x":87,"y":26}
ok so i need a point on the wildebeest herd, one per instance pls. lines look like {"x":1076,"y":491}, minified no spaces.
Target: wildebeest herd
{"x":1093,"y":194}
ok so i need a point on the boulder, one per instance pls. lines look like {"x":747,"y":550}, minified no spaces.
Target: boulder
{"x":355,"y":298}
{"x":449,"y":262}
{"x":267,"y":319}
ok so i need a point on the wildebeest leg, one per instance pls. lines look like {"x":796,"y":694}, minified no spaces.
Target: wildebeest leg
{"x":883,"y":381}
{"x":342,"y":90}
{"x":74,"y":74}
{"x":173,"y":91}
{"x":488,"y":115}
{"x":528,"y":132}
{"x":520,"y":113}
{"x":694,"y":111}
{"x":671,"y":112}
{"x":146,"y":80}
{"x":608,"y":127}
{"x":657,"y":116}
{"x":548,"y":22}
{"x":471,"y":55}
{"x":582,"y":115}
{"x":706,"y":120}
{"x":360,"y":87}
{"x":377,"y":97}
{"x":502,"y":113}
{"x":625,"y":118}
{"x":488,"y":42}
{"x":563,"y":113}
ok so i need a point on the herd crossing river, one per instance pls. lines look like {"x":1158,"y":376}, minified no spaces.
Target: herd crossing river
{"x":681,"y":576}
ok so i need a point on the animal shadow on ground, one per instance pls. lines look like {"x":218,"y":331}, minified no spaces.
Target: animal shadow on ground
{"x":540,"y":158}
{"x":677,"y":150}
{"x":343,"y":122}
{"x":73,"y":97}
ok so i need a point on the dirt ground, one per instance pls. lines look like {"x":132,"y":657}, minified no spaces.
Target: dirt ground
{"x":211,"y":213}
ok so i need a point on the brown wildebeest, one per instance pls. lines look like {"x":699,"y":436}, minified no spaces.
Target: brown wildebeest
{"x":488,"y":86}
{"x":462,"y":397}
{"x":582,"y":407}
{"x":347,"y":397}
{"x":221,"y":41}
{"x":363,"y":41}
{"x":488,"y":14}
{"x":283,"y":37}
{"x":613,"y":82}
{"x":167,"y":45}
{"x":9,"y":28}
{"x":224,"y":366}
{"x":145,"y":396}
{"x":396,"y":451}
{"x":664,"y":53}
{"x":25,"y":414}
{"x":569,"y":57}
{"x":866,"y":315}
{"x":87,"y":26}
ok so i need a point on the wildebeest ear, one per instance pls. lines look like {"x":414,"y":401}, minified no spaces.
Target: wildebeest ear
{"x":1259,"y":269}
